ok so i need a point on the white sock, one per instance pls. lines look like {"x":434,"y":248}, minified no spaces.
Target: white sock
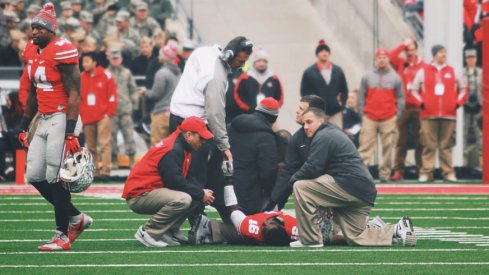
{"x":76,"y":219}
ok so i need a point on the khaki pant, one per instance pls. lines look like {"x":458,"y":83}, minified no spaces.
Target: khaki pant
{"x":224,"y":233}
{"x":169,"y":208}
{"x":387,"y":129}
{"x":349,"y":212}
{"x":160,"y":124}
{"x":99,"y":134}
{"x":337,"y":119}
{"x":409,"y":116}
{"x":437,"y":134}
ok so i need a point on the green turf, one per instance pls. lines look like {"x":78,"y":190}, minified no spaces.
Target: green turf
{"x":109,"y":246}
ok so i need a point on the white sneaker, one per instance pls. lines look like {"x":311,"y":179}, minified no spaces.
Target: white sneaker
{"x":147,"y":240}
{"x":404,"y":230}
{"x":451,"y":178}
{"x":298,"y":244}
{"x":202,"y":231}
{"x":177,"y":234}
{"x":423,"y":178}
{"x":377,"y":222}
{"x":166,"y":238}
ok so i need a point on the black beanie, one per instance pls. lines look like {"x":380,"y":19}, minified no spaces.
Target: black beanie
{"x":436,"y":48}
{"x":322,"y":46}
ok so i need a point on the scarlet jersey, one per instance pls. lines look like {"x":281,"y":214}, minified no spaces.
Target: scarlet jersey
{"x":251,"y":226}
{"x":43,"y":72}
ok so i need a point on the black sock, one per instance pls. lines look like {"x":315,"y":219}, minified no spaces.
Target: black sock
{"x":61,"y":202}
{"x":46,"y":190}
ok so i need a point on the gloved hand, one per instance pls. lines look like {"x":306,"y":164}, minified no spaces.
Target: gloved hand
{"x":72,"y":144}
{"x":22,"y":136}
{"x":227,"y":168}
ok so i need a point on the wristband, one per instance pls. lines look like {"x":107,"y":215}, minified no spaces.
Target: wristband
{"x":24,"y":123}
{"x":70,"y":126}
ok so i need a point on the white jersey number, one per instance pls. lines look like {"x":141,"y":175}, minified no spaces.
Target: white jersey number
{"x":253,"y":227}
{"x":40,"y":79}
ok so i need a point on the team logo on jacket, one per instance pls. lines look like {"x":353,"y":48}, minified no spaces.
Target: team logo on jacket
{"x":448,"y":75}
{"x":269,"y":84}
{"x":99,"y":84}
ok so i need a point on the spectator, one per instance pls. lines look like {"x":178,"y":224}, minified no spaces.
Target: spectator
{"x":10,"y":117}
{"x":76,"y":7}
{"x":166,"y":80}
{"x":326,"y":80}
{"x":472,"y":134}
{"x":32,"y":10}
{"x":188,"y":48}
{"x":255,"y":156}
{"x":66,"y":13}
{"x":140,"y":64}
{"x":270,"y":85}
{"x":127,"y":103}
{"x":124,"y":30}
{"x":144,"y":24}
{"x":154,"y":64}
{"x":98,"y":104}
{"x":11,"y":22}
{"x":380,"y":104}
{"x":86,"y":23}
{"x":439,"y":92}
{"x":407,"y":68}
{"x":9,"y":56}
{"x":161,"y":185}
{"x":104,"y":16}
{"x":296,"y":154}
{"x":161,"y":10}
{"x":334,"y":176}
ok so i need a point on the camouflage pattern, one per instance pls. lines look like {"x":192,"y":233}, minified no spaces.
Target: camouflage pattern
{"x":125,"y":124}
{"x":144,"y":28}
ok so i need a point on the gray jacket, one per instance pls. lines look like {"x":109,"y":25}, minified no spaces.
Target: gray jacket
{"x":331,"y":152}
{"x":166,"y":80}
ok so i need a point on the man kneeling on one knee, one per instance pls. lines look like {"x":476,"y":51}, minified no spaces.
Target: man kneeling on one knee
{"x":335,"y":177}
{"x":159,"y":185}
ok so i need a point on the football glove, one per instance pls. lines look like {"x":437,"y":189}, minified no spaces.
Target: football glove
{"x":227,"y":168}
{"x":72,"y":144}
{"x":23,"y":139}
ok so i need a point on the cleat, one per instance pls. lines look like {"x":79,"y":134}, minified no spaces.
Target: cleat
{"x":59,"y":242}
{"x":298,"y":244}
{"x":201,"y":231}
{"x":75,"y":230}
{"x":147,"y":240}
{"x":404,"y":230}
{"x":170,"y":240}
{"x":377,"y":222}
{"x":178,"y":235}
{"x":423,"y":178}
{"x":397,"y":176}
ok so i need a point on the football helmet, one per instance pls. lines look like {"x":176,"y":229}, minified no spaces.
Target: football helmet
{"x":77,"y":171}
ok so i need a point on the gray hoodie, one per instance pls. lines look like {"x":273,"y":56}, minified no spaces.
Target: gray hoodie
{"x":166,"y":80}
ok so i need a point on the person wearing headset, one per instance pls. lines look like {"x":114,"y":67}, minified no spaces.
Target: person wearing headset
{"x":201,"y":92}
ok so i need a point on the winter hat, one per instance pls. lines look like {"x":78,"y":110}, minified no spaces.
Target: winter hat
{"x":260,"y":54}
{"x":168,"y":53}
{"x":322,"y":46}
{"x":436,"y":48}
{"x":46,"y":18}
{"x":381,"y":51}
{"x":269,"y":106}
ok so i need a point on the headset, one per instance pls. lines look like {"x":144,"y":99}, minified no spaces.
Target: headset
{"x":235,"y":46}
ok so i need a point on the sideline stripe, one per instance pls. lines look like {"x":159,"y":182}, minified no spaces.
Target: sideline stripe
{"x":78,"y":240}
{"x":359,"y":250}
{"x":47,"y":203}
{"x":247,"y":264}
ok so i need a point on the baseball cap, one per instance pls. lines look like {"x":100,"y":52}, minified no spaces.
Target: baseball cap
{"x":122,"y":16}
{"x":381,"y":51}
{"x":197,"y":125}
{"x":470,"y":52}
{"x":86,"y":16}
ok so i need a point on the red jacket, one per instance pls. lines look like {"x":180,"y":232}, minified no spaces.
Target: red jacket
{"x":407,"y":72}
{"x":24,"y":88}
{"x":98,"y":95}
{"x":144,"y":176}
{"x":436,"y":106}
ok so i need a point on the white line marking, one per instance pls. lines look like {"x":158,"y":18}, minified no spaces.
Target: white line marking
{"x":77,"y":203}
{"x":356,"y":250}
{"x":185,"y":265}
{"x":89,"y":230}
{"x":50,"y":211}
{"x":78,"y":240}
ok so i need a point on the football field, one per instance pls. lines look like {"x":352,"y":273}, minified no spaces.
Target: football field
{"x":452,"y":230}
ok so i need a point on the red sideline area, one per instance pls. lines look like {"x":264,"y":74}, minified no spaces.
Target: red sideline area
{"x":382,"y":189}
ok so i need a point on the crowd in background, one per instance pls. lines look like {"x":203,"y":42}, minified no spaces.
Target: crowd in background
{"x":127,"y":55}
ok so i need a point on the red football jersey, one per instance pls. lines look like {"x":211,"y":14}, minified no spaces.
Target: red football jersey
{"x":251,"y":226}
{"x":43,"y":72}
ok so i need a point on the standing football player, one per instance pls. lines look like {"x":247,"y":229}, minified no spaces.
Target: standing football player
{"x":52,"y":66}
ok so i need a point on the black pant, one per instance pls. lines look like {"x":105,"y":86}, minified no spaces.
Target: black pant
{"x":60,"y":198}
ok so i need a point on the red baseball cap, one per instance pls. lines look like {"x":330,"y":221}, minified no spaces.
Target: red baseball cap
{"x":381,"y":51}
{"x":197,"y":125}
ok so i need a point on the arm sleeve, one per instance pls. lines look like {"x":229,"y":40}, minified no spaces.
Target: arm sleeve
{"x":396,"y":61}
{"x":215,"y":103}
{"x":417,"y":86}
{"x":305,"y":84}
{"x":170,"y":170}
{"x":282,"y":189}
{"x":343,"y":90}
{"x":401,"y":101}
{"x":112,"y":94}
{"x":361,"y":95}
{"x":237,"y":217}
{"x":316,"y":160}
{"x":159,"y":85}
